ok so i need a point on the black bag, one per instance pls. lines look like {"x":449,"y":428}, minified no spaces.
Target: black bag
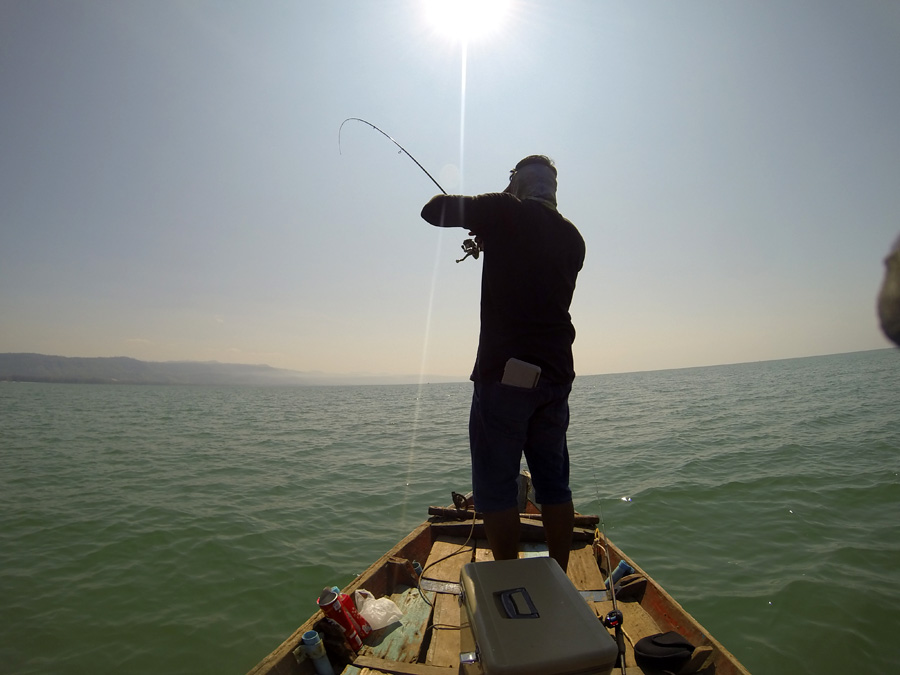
{"x":663,"y":652}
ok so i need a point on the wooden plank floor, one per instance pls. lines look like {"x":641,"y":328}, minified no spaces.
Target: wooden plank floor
{"x":438,"y":612}
{"x":444,"y":564}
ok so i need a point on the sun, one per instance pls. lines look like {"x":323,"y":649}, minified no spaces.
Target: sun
{"x":466,"y":19}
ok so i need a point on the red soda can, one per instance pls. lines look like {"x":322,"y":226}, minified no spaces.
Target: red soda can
{"x":330,"y":604}
{"x":362,"y":626}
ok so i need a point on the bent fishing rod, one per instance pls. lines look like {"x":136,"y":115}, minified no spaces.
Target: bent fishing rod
{"x":469,"y":246}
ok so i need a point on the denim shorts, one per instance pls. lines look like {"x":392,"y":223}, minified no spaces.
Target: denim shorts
{"x":507,"y":422}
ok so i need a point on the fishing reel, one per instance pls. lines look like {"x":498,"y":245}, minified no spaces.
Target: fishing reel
{"x":614,"y":619}
{"x":471,"y":247}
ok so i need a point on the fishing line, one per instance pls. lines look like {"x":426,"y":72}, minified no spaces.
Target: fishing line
{"x":470,"y":247}
{"x":420,"y":391}
{"x":416,"y":415}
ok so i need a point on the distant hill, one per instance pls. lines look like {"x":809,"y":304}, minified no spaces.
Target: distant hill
{"x":124,"y":370}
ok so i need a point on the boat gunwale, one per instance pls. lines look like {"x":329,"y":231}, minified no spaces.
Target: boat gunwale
{"x":281,"y":660}
{"x":667,"y":611}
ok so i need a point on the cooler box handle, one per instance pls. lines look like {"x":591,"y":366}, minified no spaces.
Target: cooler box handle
{"x":512,"y":608}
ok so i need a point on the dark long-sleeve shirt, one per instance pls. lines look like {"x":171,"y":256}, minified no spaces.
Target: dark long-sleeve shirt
{"x":532,"y":256}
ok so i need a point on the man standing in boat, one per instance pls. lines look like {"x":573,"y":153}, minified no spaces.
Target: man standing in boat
{"x":524,"y":368}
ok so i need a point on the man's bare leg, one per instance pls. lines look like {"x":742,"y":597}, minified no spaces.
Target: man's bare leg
{"x":502,"y":528}
{"x":559,"y":519}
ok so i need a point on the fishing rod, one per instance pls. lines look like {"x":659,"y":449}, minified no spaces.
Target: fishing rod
{"x":469,"y":246}
{"x":615,"y":618}
{"x":404,"y":150}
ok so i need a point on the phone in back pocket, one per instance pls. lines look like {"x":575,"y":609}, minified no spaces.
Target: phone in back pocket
{"x":522,"y":374}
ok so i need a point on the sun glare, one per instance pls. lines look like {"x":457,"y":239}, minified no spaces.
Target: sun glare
{"x":466,"y":19}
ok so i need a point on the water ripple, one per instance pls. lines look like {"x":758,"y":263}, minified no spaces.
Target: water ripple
{"x":189,"y":530}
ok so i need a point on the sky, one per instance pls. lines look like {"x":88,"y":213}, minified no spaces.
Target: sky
{"x":172,"y":186}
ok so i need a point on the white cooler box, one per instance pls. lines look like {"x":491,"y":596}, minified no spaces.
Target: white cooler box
{"x":525,"y":617}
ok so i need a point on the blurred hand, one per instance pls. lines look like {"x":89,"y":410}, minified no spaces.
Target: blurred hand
{"x":889,"y":296}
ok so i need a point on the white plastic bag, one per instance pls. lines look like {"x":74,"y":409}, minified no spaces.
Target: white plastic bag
{"x":379,"y":612}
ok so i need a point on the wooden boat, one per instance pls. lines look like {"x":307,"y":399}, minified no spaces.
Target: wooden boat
{"x":427,"y":640}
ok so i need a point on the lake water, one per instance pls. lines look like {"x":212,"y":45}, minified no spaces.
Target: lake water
{"x":190,"y":529}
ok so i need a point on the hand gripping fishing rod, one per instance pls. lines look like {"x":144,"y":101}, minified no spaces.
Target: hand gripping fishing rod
{"x":469,"y":246}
